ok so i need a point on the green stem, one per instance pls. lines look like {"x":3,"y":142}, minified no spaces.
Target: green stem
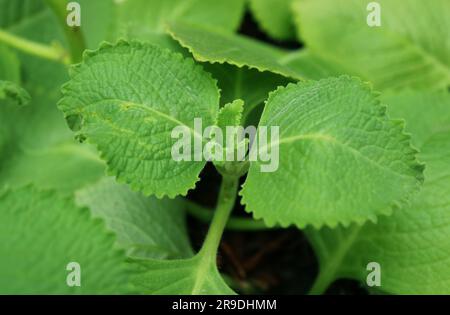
{"x":33,"y":48}
{"x":320,"y":284}
{"x":225,"y":204}
{"x":74,"y":35}
{"x":239,"y":224}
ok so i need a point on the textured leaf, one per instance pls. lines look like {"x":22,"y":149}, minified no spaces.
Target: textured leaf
{"x":195,"y":276}
{"x":207,"y":45}
{"x":230,"y":114}
{"x":41,"y":233}
{"x":145,"y":227}
{"x":341,"y":159}
{"x":127,"y":99}
{"x":411,"y":48}
{"x":274,"y":17}
{"x":412,"y":245}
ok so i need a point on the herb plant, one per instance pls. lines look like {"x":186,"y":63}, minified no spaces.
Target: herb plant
{"x":363,"y":151}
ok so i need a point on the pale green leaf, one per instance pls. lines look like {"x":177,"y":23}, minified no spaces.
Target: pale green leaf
{"x":411,"y":47}
{"x":274,"y":17}
{"x":207,"y":45}
{"x":412,"y":245}
{"x":40,"y":148}
{"x":311,"y":66}
{"x":194,"y":276}
{"x":146,"y":227}
{"x":41,"y":233}
{"x":147,"y":19}
{"x":341,"y":159}
{"x":127,"y":99}
{"x":426,"y":113}
{"x":230,"y":115}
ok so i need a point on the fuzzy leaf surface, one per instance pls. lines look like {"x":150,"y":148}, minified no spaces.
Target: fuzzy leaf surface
{"x":127,"y":99}
{"x":412,"y":245}
{"x":341,"y":159}
{"x":41,"y":233}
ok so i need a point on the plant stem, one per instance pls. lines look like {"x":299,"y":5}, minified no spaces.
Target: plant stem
{"x":239,"y":224}
{"x":74,"y":35}
{"x":320,"y":284}
{"x":33,"y":48}
{"x":225,"y":204}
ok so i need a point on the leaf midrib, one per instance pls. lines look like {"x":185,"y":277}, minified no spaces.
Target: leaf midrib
{"x":331,"y":139}
{"x":148,"y":109}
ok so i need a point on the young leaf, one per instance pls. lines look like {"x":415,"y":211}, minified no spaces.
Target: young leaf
{"x":274,"y":17}
{"x":195,"y":276}
{"x":207,"y":45}
{"x":411,"y":39}
{"x":41,"y":233}
{"x":411,"y":245}
{"x":230,"y":114}
{"x":341,"y":159}
{"x":127,"y":98}
{"x":145,"y":227}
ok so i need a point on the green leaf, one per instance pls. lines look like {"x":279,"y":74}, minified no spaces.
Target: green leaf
{"x":41,"y":233}
{"x":147,"y":19}
{"x":145,"y":227}
{"x":412,"y":245}
{"x":426,"y":113}
{"x":274,"y":17}
{"x":250,"y":85}
{"x":194,"y":276}
{"x":12,"y":92}
{"x":97,"y":21}
{"x":127,"y":99}
{"x":311,"y":66}
{"x":409,"y":49}
{"x":341,"y":159}
{"x":39,"y":148}
{"x":230,"y":114}
{"x":13,"y":12}
{"x":207,"y":45}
